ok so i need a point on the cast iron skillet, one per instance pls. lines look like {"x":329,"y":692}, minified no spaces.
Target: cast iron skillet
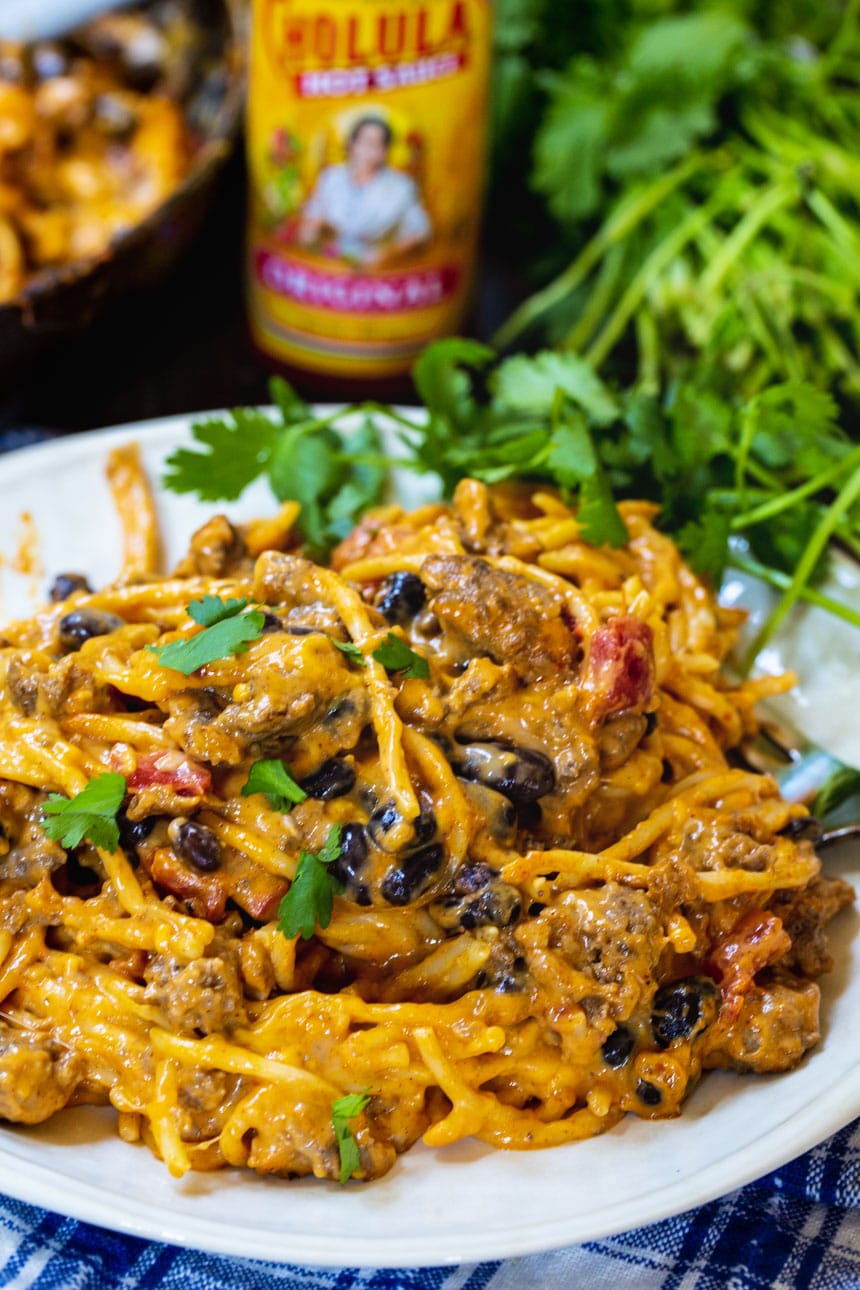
{"x":59,"y":301}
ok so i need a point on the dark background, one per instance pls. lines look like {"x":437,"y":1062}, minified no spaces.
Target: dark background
{"x":180,"y":346}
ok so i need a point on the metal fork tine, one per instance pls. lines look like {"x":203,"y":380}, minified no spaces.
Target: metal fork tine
{"x":800,"y":767}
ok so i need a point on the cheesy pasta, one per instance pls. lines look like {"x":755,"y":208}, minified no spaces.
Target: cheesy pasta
{"x":556,"y":896}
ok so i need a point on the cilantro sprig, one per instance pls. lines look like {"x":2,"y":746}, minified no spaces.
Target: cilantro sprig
{"x":271,"y":777}
{"x":396,"y":656}
{"x":310,"y":899}
{"x":305,"y":457}
{"x":90,"y":814}
{"x":350,"y":649}
{"x":228,"y":629}
{"x":343,"y":1109}
{"x":776,"y":470}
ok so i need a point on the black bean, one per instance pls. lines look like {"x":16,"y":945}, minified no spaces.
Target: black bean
{"x":682,"y":1008}
{"x":79,"y":875}
{"x":521,"y":774}
{"x":400,"y":597}
{"x":341,"y":708}
{"x":333,"y":779}
{"x":806,"y":829}
{"x":66,"y":583}
{"x":471,"y":878}
{"x":133,"y":832}
{"x":509,"y":983}
{"x":510,"y":977}
{"x":425,"y":827}
{"x":498,"y":815}
{"x":196,"y":844}
{"x":48,"y":59}
{"x":82,"y":625}
{"x":113,"y":116}
{"x":271,"y":622}
{"x":405,"y":882}
{"x":498,"y":906}
{"x":648,"y":1093}
{"x":352,"y":859}
{"x":618,"y":1048}
{"x":382,"y":821}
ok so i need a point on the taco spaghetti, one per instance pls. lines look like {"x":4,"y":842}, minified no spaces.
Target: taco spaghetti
{"x":554,"y":899}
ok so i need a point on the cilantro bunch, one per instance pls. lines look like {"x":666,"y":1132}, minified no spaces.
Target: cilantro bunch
{"x":695,"y":170}
{"x":764,"y":483}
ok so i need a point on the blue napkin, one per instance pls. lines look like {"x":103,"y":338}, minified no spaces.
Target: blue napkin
{"x":23,"y":438}
{"x":796,"y":1228}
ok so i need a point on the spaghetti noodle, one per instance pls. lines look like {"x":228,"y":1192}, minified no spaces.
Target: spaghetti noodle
{"x":557,"y":898}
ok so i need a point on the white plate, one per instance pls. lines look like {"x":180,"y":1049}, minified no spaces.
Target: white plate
{"x":462,"y":1203}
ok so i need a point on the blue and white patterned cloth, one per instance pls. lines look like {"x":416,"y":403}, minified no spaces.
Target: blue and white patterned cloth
{"x":797,"y":1229}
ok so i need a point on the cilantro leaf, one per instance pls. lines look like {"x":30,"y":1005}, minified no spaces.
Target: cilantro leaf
{"x":330,"y":849}
{"x":272,"y":778}
{"x":344,"y":1109}
{"x":212,"y":609}
{"x":574,"y":462}
{"x":230,"y":633}
{"x":396,"y":656}
{"x":351,"y":650}
{"x":334,"y":477}
{"x":90,"y":814}
{"x":289,"y":403}
{"x":441,"y":381}
{"x":839,"y":786}
{"x":705,"y":543}
{"x":598,"y":516}
{"x":238,"y":448}
{"x":530,"y":384}
{"x":310,"y":899}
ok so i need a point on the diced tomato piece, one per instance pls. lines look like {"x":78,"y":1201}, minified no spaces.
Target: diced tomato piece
{"x":757,"y":941}
{"x":621,"y":665}
{"x":185,"y":776}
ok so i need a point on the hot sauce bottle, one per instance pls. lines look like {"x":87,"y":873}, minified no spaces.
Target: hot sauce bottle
{"x":366,"y":140}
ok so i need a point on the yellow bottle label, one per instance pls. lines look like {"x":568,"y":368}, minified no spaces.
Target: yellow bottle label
{"x":366,"y":138}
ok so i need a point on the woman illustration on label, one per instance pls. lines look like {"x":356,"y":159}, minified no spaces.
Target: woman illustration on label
{"x":373,"y":213}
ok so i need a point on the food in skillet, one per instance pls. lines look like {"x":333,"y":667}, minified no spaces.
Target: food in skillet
{"x":92,"y":138}
{"x":302,"y":863}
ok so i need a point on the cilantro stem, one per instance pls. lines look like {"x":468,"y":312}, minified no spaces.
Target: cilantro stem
{"x":648,"y":344}
{"x":839,"y":228}
{"x":844,"y":500}
{"x":390,"y":413}
{"x":775,"y":505}
{"x":654,"y":264}
{"x":629,"y":212}
{"x":379,"y":459}
{"x":848,"y":539}
{"x":842,"y":39}
{"x":744,"y":231}
{"x":598,"y":300}
{"x":781,"y":581}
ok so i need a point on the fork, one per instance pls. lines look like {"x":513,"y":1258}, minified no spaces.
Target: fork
{"x":800,"y":768}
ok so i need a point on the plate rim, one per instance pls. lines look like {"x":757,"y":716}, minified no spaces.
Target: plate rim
{"x":39,"y":1184}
